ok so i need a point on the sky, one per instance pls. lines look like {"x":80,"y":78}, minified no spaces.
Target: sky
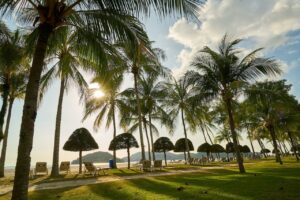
{"x":271,"y":24}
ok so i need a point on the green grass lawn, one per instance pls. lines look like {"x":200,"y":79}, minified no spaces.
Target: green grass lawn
{"x":264,"y":180}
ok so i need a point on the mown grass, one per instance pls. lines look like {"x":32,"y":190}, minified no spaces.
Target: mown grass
{"x":264,"y":180}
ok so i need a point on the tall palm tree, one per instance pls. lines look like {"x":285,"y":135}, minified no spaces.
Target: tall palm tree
{"x":223,"y":74}
{"x":109,"y":104}
{"x":68,"y":62}
{"x":268,"y":100}
{"x":97,"y":20}
{"x":11,"y":56}
{"x":179,"y":101}
{"x":144,"y":61}
{"x":16,"y":91}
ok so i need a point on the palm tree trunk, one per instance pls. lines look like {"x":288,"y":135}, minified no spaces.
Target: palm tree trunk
{"x":151,"y":137}
{"x":279,"y":146}
{"x":55,"y":161}
{"x":3,"y":110}
{"x":147,"y":137}
{"x":293,"y":144}
{"x":80,"y":162}
{"x":251,"y":143}
{"x":115,"y":134}
{"x":209,"y":136}
{"x":135,"y":74}
{"x":187,"y":148}
{"x":286,"y":151}
{"x":128,"y":159}
{"x":273,"y":136}
{"x":234,"y":136}
{"x":4,"y":145}
{"x":20,"y":189}
{"x":165,"y":156}
{"x":262,"y":147}
{"x":203,"y":134}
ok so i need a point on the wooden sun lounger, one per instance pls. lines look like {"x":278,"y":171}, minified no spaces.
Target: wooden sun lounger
{"x":90,"y":168}
{"x":146,"y":165}
{"x":40,"y":167}
{"x":65,"y":167}
{"x":157,"y":164}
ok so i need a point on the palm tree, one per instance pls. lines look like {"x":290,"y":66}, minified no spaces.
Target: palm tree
{"x":223,"y":74}
{"x":109,"y":104}
{"x":70,"y":61}
{"x":146,"y":60}
{"x":17,"y":91}
{"x":180,"y":100}
{"x":11,"y":56}
{"x":268,"y":99}
{"x":97,"y":20}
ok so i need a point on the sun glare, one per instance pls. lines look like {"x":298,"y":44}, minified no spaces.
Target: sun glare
{"x":98,"y":94}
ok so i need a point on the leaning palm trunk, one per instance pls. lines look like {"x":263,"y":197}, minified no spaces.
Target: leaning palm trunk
{"x":115,"y":134}
{"x":262,"y":146}
{"x":3,"y":108}
{"x":151,"y":137}
{"x":234,"y":136}
{"x":273,"y":136}
{"x":187,"y":148}
{"x":293,"y":144}
{"x":135,"y":74}
{"x":55,"y":161}
{"x":203,"y":134}
{"x":4,"y":145}
{"x":20,"y":189}
{"x":148,"y":141}
{"x":251,"y":143}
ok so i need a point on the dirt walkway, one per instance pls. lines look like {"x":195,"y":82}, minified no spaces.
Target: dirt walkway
{"x":105,"y":179}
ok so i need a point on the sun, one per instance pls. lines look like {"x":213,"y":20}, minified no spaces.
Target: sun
{"x":97,"y":92}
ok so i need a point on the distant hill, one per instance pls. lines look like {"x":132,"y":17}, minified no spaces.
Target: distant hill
{"x":97,"y":157}
{"x":170,"y":156}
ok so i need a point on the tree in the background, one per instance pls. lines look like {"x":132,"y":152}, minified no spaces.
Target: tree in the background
{"x":179,"y":102}
{"x":12,"y":55}
{"x":222,"y":74}
{"x":80,"y":140}
{"x":124,"y":141}
{"x":163,"y":144}
{"x":107,"y":106}
{"x":69,"y":62}
{"x":268,"y":98}
{"x":97,"y":21}
{"x":16,"y":91}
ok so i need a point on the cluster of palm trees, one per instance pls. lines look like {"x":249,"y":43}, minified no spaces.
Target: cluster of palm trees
{"x":106,"y":40}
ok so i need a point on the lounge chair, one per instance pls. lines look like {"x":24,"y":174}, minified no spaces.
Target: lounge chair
{"x":147,"y":165}
{"x":65,"y":167}
{"x":92,"y":169}
{"x":157,"y":164}
{"x":40,"y":167}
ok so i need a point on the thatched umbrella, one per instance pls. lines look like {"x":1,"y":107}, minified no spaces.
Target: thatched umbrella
{"x":230,"y":147}
{"x":180,"y":146}
{"x":216,"y":148}
{"x":245,"y":149}
{"x":273,"y":151}
{"x":163,"y":144}
{"x":265,"y":151}
{"x":124,"y":141}
{"x":80,"y":140}
{"x":205,"y":147}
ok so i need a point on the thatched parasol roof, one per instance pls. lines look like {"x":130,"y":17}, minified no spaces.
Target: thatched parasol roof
{"x":80,"y":140}
{"x":163,"y":144}
{"x":205,"y":147}
{"x":123,"y":141}
{"x":180,"y":145}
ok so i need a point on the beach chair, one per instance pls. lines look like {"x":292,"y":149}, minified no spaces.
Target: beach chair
{"x":40,"y":167}
{"x":90,"y":168}
{"x":65,"y":167}
{"x":157,"y":164}
{"x":147,"y":165}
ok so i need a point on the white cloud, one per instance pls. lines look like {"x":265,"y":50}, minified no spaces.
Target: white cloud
{"x":265,"y":22}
